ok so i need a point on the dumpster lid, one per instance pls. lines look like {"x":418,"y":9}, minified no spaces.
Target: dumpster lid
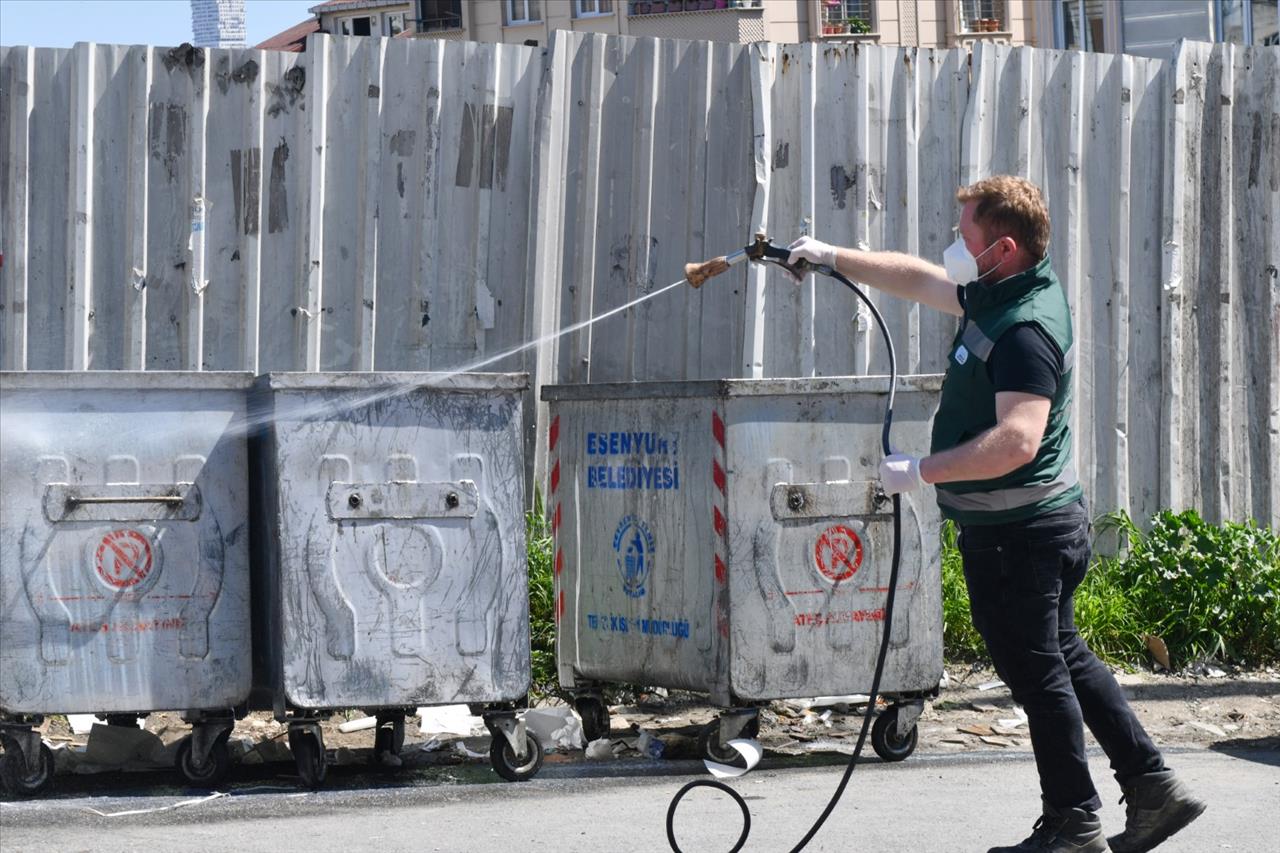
{"x":927,"y":382}
{"x":124,"y":380}
{"x":441,"y":380}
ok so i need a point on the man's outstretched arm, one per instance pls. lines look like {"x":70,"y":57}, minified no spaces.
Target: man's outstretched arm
{"x":899,"y":274}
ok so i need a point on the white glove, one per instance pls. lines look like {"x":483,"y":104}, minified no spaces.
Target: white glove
{"x":814,"y":251}
{"x":900,"y":473}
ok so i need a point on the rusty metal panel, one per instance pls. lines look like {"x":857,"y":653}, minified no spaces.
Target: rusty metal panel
{"x":416,"y":204}
{"x":211,"y":209}
{"x":391,"y":561}
{"x":124,"y":557}
{"x":1221,"y":291}
{"x":656,"y":171}
{"x":727,"y":537}
{"x":1176,"y":315}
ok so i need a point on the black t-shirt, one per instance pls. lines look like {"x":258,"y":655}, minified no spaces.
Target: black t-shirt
{"x":1025,"y":359}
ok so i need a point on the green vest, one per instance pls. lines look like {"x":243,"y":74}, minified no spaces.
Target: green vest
{"x":968,"y":405}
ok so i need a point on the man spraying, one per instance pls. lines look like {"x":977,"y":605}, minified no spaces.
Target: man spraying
{"x":1001,"y":460}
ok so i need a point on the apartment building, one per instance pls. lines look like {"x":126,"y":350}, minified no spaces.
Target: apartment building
{"x":923,"y":23}
{"x":1147,"y":27}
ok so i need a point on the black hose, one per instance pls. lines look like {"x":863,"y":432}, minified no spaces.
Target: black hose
{"x":884,"y":640}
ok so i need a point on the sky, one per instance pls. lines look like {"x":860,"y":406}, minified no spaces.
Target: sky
{"x":164,"y":23}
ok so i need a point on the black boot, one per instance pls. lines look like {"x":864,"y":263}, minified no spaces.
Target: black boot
{"x":1156,"y":806}
{"x":1062,"y":831}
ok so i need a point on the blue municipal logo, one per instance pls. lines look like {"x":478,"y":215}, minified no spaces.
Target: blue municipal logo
{"x":633,"y":543}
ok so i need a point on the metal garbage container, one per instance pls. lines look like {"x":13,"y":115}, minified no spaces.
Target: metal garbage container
{"x":390,"y":566}
{"x":124,"y":558}
{"x":729,"y":537}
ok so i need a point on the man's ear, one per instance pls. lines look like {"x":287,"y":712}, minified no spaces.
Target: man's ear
{"x":1011,"y":250}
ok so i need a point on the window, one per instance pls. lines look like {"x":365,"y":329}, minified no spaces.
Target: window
{"x":1264,"y":26}
{"x":591,"y":8}
{"x":361,"y":26}
{"x":523,"y":11}
{"x":1082,"y":25}
{"x":392,"y":24}
{"x":439,"y":15}
{"x":983,"y":16}
{"x":846,"y":16}
{"x":1243,"y":22}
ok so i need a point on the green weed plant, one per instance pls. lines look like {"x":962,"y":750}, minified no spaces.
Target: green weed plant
{"x":1209,"y":591}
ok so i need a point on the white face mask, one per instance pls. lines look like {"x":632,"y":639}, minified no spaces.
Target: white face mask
{"x":961,"y":265}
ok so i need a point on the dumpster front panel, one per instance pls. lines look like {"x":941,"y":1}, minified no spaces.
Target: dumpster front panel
{"x":124,"y":572}
{"x":810,"y":547}
{"x":635,"y":502}
{"x":402,"y":571}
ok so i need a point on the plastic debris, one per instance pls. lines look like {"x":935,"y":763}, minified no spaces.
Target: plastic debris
{"x":115,"y":746}
{"x":991,"y":685}
{"x":1208,"y":727}
{"x":599,"y":750}
{"x":650,"y":745}
{"x":462,"y":749}
{"x":81,"y":724}
{"x":431,"y":745}
{"x":449,"y":720}
{"x":751,"y":754}
{"x":214,"y":796}
{"x":358,"y":725}
{"x":838,"y":702}
{"x":555,"y":727}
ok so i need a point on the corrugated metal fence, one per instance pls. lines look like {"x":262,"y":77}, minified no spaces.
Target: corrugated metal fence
{"x":440,"y":202}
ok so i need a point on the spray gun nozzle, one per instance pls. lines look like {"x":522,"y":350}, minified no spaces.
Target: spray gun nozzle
{"x":761,"y":250}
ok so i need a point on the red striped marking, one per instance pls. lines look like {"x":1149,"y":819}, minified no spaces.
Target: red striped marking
{"x":555,"y":477}
{"x":555,"y":521}
{"x":554,"y":436}
{"x":722,"y":571}
{"x":717,"y":474}
{"x":717,"y":428}
{"x":559,"y":562}
{"x":719,"y":521}
{"x":810,"y":592}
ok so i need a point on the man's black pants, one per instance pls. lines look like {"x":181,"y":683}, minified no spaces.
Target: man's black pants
{"x":1021,"y":579}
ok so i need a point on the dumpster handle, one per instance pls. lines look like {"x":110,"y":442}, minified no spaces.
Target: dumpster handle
{"x":763,"y":251}
{"x":126,"y":499}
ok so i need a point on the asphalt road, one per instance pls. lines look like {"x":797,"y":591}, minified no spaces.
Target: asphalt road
{"x":962,"y":802}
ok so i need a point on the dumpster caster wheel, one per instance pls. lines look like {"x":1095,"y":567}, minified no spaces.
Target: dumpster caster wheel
{"x":886,"y":741}
{"x":508,"y":766}
{"x":18,"y":780}
{"x":710,"y":749}
{"x":388,"y":740}
{"x":595,"y":717}
{"x":308,"y":755}
{"x":213,"y":772}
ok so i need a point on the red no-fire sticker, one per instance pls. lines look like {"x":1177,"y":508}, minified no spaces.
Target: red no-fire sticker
{"x":124,"y":558}
{"x":838,"y":553}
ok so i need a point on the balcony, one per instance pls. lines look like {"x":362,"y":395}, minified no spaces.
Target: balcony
{"x":638,"y":8}
{"x":980,"y":20}
{"x":847,"y":20}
